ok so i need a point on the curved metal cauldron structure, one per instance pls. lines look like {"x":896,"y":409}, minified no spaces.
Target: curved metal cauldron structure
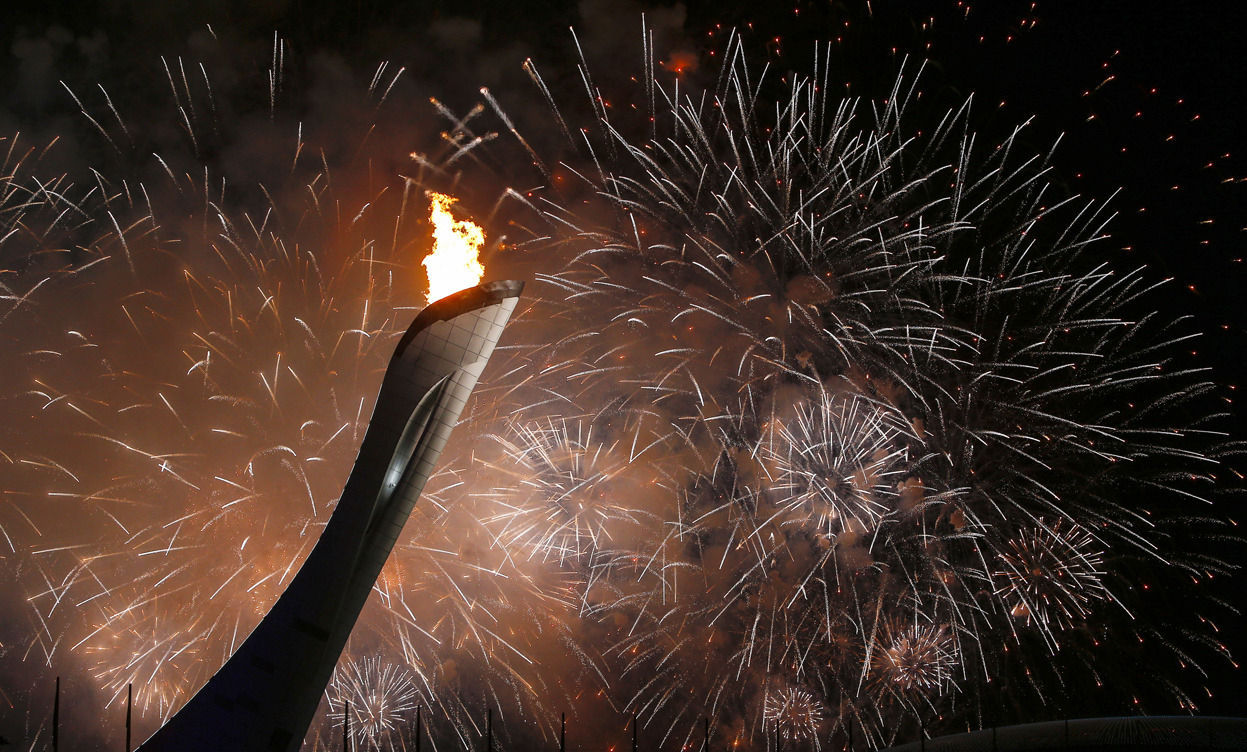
{"x":264,"y":697}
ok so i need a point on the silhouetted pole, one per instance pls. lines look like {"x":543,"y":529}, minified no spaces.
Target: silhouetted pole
{"x":562,"y":732}
{"x":706,"y":744}
{"x":56,"y":717}
{"x":489,"y":730}
{"x":417,"y":728}
{"x":922,"y":733}
{"x":129,"y":707}
{"x":850,"y":733}
{"x":634,"y":732}
{"x":346,"y":726}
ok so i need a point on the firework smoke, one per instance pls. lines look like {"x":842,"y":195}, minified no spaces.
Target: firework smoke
{"x":824,"y":411}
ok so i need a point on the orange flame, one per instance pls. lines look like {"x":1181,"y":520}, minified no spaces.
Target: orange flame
{"x":454,"y":264}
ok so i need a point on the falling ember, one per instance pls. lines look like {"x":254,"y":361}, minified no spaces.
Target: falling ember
{"x":454,"y":264}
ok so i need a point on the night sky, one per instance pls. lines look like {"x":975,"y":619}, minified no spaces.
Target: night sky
{"x":1146,"y":97}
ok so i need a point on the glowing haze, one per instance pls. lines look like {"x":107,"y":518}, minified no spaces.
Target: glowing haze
{"x":810,"y":425}
{"x":454,"y":264}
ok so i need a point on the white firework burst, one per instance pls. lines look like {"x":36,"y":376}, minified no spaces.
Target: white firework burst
{"x":1051,"y":574}
{"x":381,"y":697}
{"x":796,"y":713}
{"x":837,"y":464}
{"x":915,"y":658}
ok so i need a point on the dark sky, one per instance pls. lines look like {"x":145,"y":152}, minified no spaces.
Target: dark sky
{"x":1147,"y":97}
{"x":1167,"y":63}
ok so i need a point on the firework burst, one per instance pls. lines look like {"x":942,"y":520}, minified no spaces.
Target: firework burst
{"x":381,"y":699}
{"x":795,"y":713}
{"x":1052,"y":574}
{"x":837,"y":464}
{"x":915,"y":659}
{"x":567,"y":496}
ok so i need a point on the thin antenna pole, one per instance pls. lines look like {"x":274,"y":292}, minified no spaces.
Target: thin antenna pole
{"x":129,"y":708}
{"x":489,"y":730}
{"x":417,"y":728}
{"x":850,"y":733}
{"x":562,"y":732}
{"x":706,"y":744}
{"x":56,"y":717}
{"x":346,"y":726}
{"x":634,"y":732}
